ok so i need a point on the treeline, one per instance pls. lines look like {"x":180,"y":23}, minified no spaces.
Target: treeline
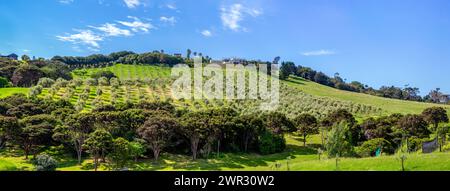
{"x":27,"y":72}
{"x":407,"y":93}
{"x":123,"y":57}
{"x":117,"y":135}
{"x":35,"y":126}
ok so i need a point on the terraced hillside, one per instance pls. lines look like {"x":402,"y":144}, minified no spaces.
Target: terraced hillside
{"x":152,"y":83}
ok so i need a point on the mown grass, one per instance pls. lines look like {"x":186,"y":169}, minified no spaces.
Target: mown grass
{"x":389,"y":106}
{"x":5,"y":92}
{"x":295,"y":158}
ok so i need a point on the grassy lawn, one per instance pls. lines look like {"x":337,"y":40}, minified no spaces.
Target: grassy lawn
{"x":5,"y":92}
{"x":388,"y":105}
{"x":301,"y":159}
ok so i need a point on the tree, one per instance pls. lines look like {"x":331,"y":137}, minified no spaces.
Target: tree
{"x":8,"y":128}
{"x":189,"y":52}
{"x":98,"y":143}
{"x":4,"y":83}
{"x":413,"y":125}
{"x":306,"y":125}
{"x":248,"y":128}
{"x":25,"y":58}
{"x":434,"y":116}
{"x":342,"y":115}
{"x":195,"y":128}
{"x":34,"y":131}
{"x":338,"y":143}
{"x":137,"y":149}
{"x":158,"y":131}
{"x":286,"y":69}
{"x":75,"y":131}
{"x":278,"y":123}
{"x":120,"y":152}
{"x":26,"y":75}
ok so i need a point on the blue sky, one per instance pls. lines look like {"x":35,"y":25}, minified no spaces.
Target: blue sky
{"x":377,"y":42}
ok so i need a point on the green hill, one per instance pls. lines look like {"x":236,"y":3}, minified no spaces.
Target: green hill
{"x":297,"y":95}
{"x":387,"y":105}
{"x":152,"y":83}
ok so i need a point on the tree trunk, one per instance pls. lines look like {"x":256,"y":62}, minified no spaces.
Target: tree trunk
{"x":96,"y":163}
{"x":304,"y":139}
{"x":79,"y":156}
{"x":218,"y":148}
{"x":436,"y":126}
{"x":194,"y":146}
{"x":156,"y":154}
{"x":246,"y":143}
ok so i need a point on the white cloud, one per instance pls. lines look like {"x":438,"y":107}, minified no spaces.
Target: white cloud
{"x":86,"y":37}
{"x":170,"y":20}
{"x":232,"y":15}
{"x":318,"y":53}
{"x":112,"y":30}
{"x":137,"y":25}
{"x":132,"y":3}
{"x":171,"y":6}
{"x":66,"y":1}
{"x":206,"y":33}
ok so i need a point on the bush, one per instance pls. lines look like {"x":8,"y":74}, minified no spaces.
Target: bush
{"x":414,"y":144}
{"x":46,"y":82}
{"x":4,"y":83}
{"x":45,"y":163}
{"x":369,"y":148}
{"x":270,"y":143}
{"x":106,"y":74}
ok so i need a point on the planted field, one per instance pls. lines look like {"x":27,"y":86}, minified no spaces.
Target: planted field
{"x":152,"y":83}
{"x":5,"y":92}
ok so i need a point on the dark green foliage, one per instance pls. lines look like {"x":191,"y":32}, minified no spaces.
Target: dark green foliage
{"x":306,"y":125}
{"x":157,"y":132}
{"x":369,"y":148}
{"x":4,"y":83}
{"x":45,"y":163}
{"x":106,"y":74}
{"x":270,"y":143}
{"x":98,"y":144}
{"x":413,"y":125}
{"x":56,"y":70}
{"x":414,"y":144}
{"x":278,"y":123}
{"x":120,"y":153}
{"x":33,"y":132}
{"x":339,"y":141}
{"x":26,"y":75}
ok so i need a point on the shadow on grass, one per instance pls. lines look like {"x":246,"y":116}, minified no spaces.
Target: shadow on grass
{"x":226,"y":161}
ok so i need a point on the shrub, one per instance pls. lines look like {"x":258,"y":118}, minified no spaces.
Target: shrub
{"x":414,"y":144}
{"x":45,"y":163}
{"x":369,"y":148}
{"x":46,"y":82}
{"x":338,"y":143}
{"x":106,"y":74}
{"x":4,"y":83}
{"x":270,"y":143}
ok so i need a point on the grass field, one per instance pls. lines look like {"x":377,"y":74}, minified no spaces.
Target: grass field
{"x":388,"y":105}
{"x":5,"y":92}
{"x":301,"y":159}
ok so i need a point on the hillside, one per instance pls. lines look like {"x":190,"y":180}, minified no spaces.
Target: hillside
{"x":387,"y":105}
{"x":297,"y":95}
